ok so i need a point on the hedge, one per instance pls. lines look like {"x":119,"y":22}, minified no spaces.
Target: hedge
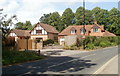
{"x":91,"y":42}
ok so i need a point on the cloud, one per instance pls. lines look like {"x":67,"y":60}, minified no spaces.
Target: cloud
{"x":33,"y":9}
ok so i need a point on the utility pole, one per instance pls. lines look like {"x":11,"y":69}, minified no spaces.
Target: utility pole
{"x":84,"y":24}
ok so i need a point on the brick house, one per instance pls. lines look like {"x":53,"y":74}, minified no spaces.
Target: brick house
{"x":89,"y":30}
{"x":40,"y":31}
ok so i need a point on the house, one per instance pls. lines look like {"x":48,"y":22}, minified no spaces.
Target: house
{"x":19,"y":34}
{"x":84,"y":30}
{"x":44,"y":31}
{"x":40,"y":31}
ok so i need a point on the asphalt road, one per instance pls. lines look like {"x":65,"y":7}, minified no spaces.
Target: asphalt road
{"x":81,"y":63}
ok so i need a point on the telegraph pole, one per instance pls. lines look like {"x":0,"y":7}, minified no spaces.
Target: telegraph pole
{"x":84,"y":23}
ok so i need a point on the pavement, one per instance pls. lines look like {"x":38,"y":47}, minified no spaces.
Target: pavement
{"x":68,"y":63}
{"x":110,"y":67}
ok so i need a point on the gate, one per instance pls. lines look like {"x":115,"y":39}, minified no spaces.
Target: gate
{"x":22,"y":43}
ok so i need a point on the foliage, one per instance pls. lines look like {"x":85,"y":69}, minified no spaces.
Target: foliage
{"x":90,"y":46}
{"x":45,"y":18}
{"x":24,"y":26}
{"x":5,"y":23}
{"x":55,"y":42}
{"x":12,"y":57}
{"x":67,"y":17}
{"x":73,"y":47}
{"x":48,"y":41}
{"x":92,"y":42}
{"x":109,"y":18}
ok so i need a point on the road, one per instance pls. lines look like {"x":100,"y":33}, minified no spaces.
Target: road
{"x":81,"y":63}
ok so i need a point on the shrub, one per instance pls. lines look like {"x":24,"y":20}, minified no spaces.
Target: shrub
{"x":56,"y":43}
{"x":73,"y":47}
{"x":66,"y":47}
{"x":48,"y":41}
{"x":103,"y":44}
{"x":90,"y":46}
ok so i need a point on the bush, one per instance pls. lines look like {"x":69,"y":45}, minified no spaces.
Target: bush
{"x":90,"y":46}
{"x":73,"y":47}
{"x":48,"y":41}
{"x":103,"y":44}
{"x":12,"y":57}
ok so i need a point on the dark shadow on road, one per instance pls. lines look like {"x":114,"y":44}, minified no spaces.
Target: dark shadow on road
{"x":52,"y":64}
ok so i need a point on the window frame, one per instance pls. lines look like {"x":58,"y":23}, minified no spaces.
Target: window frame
{"x":95,"y":29}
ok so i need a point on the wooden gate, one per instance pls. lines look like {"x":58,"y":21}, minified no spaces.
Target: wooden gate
{"x":22,"y":43}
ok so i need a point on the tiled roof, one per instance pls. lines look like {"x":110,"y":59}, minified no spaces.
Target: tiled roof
{"x":87,"y":27}
{"x":107,"y":33}
{"x":21,"y":32}
{"x":48,"y":28}
{"x":77,"y":27}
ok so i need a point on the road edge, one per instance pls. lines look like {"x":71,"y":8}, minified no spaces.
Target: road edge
{"x":103,"y":67}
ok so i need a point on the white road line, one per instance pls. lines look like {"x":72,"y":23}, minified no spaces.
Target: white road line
{"x":101,"y":68}
{"x":70,"y":61}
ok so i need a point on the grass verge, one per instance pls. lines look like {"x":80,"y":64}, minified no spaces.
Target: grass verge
{"x":13,"y":57}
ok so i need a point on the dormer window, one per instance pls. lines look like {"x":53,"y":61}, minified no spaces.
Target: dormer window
{"x":95,"y":29}
{"x":82,"y":31}
{"x":73,"y":31}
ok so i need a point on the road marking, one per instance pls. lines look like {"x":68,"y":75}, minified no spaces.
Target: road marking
{"x":101,"y":68}
{"x":70,"y":61}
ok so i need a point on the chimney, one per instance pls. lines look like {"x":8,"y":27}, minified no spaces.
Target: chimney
{"x":95,"y":21}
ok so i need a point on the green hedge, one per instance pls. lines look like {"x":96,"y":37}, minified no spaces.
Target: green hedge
{"x":47,"y":42}
{"x":92,"y":42}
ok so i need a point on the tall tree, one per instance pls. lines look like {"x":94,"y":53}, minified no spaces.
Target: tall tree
{"x":88,"y":17}
{"x":54,"y":20}
{"x":114,"y":21}
{"x":67,"y":17}
{"x":45,"y":18}
{"x":101,"y":15}
{"x":79,"y":16}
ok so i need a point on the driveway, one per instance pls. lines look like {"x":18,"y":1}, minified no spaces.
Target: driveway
{"x":79,"y":63}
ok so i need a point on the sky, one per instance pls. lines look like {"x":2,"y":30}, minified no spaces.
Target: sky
{"x":32,"y":10}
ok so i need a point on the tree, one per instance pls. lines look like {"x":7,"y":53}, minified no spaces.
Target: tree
{"x":67,"y":17}
{"x":45,"y":18}
{"x":101,"y":15}
{"x":79,"y":16}
{"x":54,"y":20}
{"x":5,"y":23}
{"x":114,"y":21}
{"x":24,"y":26}
{"x":88,"y":17}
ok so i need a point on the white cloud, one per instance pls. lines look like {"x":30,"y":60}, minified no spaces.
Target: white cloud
{"x":33,"y":9}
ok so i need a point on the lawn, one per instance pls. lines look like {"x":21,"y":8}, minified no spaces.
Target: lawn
{"x":13,"y":57}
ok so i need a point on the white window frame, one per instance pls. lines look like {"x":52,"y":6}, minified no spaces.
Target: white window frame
{"x":82,"y":31}
{"x":95,"y":30}
{"x":73,"y":31}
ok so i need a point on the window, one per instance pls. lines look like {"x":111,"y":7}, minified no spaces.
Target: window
{"x":38,"y":31}
{"x":95,"y":30}
{"x":82,"y":31}
{"x":73,"y":31}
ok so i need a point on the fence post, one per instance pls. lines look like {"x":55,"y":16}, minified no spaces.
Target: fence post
{"x":39,"y":52}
